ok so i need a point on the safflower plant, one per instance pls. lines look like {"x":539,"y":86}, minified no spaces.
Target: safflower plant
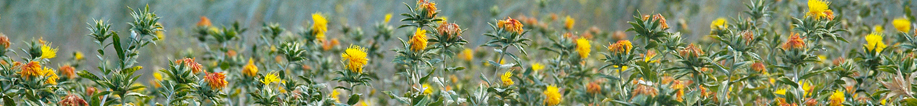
{"x":787,"y":53}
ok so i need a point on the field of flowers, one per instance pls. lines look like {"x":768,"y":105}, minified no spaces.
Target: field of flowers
{"x":773,"y":52}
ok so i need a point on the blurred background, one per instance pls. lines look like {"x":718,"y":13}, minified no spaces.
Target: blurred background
{"x":65,"y":22}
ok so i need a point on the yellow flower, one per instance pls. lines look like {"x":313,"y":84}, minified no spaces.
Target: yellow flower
{"x":624,"y":68}
{"x":48,"y":52}
{"x":506,"y":78}
{"x":467,"y":54}
{"x":537,"y":67}
{"x":817,"y":8}
{"x":320,"y":26}
{"x":270,"y":78}
{"x":51,"y":75}
{"x":216,"y":80}
{"x":902,"y":24}
{"x":334,"y":95}
{"x":419,"y":40}
{"x":583,"y":47}
{"x":622,"y":46}
{"x":874,"y":42}
{"x":780,"y":92}
{"x":807,"y":87}
{"x":78,"y":55}
{"x":568,"y":23}
{"x":878,"y":29}
{"x":355,"y":56}
{"x":511,"y":25}
{"x":552,"y":96}
{"x":648,"y":57}
{"x":427,"y":89}
{"x":157,"y":76}
{"x":250,"y":69}
{"x":837,"y":98}
{"x":719,"y":23}
{"x":388,"y":17}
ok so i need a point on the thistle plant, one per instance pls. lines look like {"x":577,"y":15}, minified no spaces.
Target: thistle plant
{"x":119,"y":79}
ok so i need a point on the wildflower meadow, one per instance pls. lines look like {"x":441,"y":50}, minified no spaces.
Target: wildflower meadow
{"x":458,"y":53}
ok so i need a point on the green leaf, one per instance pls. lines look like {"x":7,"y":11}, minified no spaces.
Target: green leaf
{"x":353,"y":99}
{"x":116,"y":40}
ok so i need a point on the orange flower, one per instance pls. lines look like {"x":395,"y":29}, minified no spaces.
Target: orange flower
{"x":795,"y":42}
{"x":204,"y":22}
{"x":231,"y":53}
{"x":658,"y":17}
{"x":68,"y":71}
{"x":189,"y":62}
{"x":691,"y":50}
{"x":622,"y":46}
{"x":449,"y":30}
{"x":759,"y":67}
{"x":72,"y":100}
{"x":594,"y":88}
{"x":4,"y":41}
{"x":511,"y":25}
{"x":216,"y":80}
{"x":31,"y":69}
{"x":428,"y":8}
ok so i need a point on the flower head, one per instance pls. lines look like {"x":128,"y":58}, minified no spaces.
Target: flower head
{"x":568,"y":23}
{"x":270,"y":78}
{"x":51,"y":76}
{"x":583,"y":47}
{"x":204,"y":22}
{"x":419,"y":40}
{"x":250,"y":69}
{"x":428,"y":8}
{"x":537,"y":67}
{"x":449,"y":30}
{"x":759,"y":67}
{"x":691,"y":50}
{"x":874,"y":43}
{"x":794,"y":42}
{"x":4,"y":42}
{"x":355,"y":56}
{"x":72,"y":100}
{"x":189,"y":62}
{"x":594,"y":88}
{"x":427,"y":90}
{"x":719,"y":23}
{"x":902,"y":25}
{"x":78,"y":55}
{"x":837,"y":98}
{"x":68,"y":71}
{"x":657,"y":17}
{"x":506,"y":78}
{"x":388,"y":17}
{"x":511,"y":25}
{"x":216,"y":80}
{"x":819,"y":9}
{"x":319,"y":26}
{"x":552,"y":95}
{"x":622,"y":46}
{"x":466,"y":54}
{"x":31,"y":69}
{"x":48,"y":52}
{"x":334,"y":95}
